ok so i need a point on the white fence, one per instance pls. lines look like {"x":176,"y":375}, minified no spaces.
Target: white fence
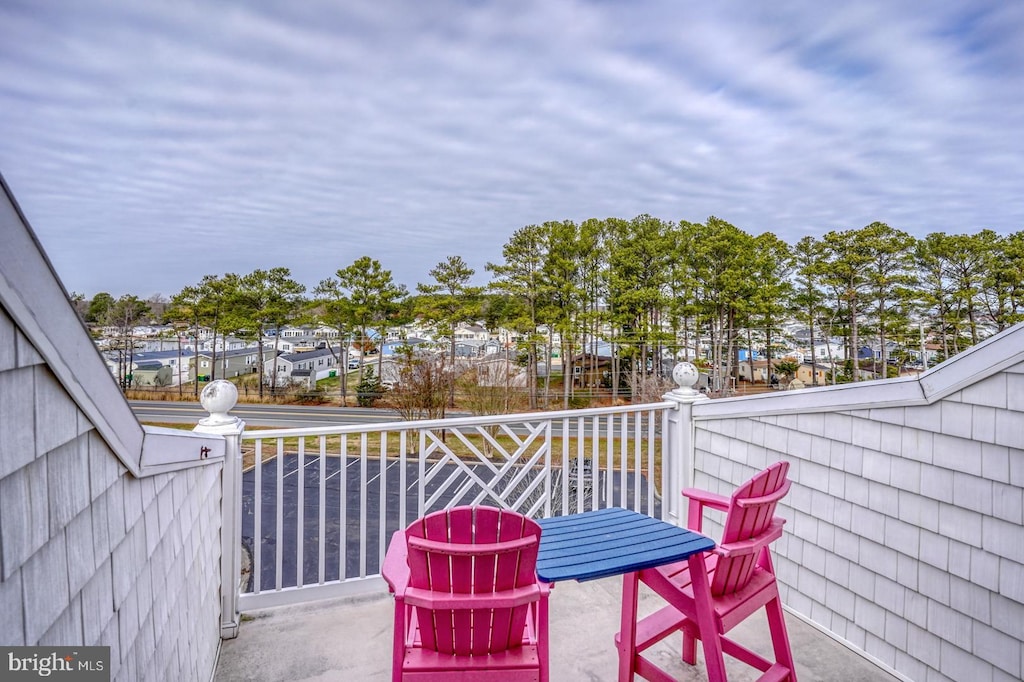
{"x":319,"y":505}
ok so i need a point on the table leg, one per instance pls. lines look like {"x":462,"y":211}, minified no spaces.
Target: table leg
{"x":627,"y":626}
{"x":713,"y":658}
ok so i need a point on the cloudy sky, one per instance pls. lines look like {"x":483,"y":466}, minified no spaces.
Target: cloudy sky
{"x":150,"y":143}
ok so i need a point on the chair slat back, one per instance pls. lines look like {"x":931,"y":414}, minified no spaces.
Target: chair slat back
{"x":750,"y":514}
{"x":503,"y":566}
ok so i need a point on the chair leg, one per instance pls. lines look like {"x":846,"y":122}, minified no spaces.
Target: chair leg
{"x":627,"y":627}
{"x":689,"y":648}
{"x":542,"y":638}
{"x":398,"y":646}
{"x":780,"y":637}
{"x":714,"y":660}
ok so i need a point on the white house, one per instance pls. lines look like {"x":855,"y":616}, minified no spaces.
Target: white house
{"x":225,"y":343}
{"x":314,"y":365}
{"x":180,"y":364}
{"x":471,"y":332}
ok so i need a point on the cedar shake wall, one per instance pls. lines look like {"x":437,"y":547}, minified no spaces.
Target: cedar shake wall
{"x":91,"y":555}
{"x":904,"y":527}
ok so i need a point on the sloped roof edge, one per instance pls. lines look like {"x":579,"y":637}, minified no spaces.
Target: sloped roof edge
{"x":979,"y":362}
{"x":32,"y":294}
{"x":955,"y":374}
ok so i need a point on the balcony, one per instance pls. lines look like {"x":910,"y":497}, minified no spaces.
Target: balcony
{"x":350,"y":639}
{"x":899,"y":554}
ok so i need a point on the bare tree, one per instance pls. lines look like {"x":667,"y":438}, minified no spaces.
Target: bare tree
{"x":649,"y":387}
{"x":425,"y":380}
{"x":124,"y":314}
{"x":493,"y":387}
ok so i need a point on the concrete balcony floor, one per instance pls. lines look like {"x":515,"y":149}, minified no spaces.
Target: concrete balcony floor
{"x":350,"y":639}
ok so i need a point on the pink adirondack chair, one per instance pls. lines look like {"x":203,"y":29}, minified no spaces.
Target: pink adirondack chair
{"x":709,"y":596}
{"x":468,"y":605}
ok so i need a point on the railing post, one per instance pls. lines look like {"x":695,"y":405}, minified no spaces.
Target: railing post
{"x":678,"y":443}
{"x":218,"y":398}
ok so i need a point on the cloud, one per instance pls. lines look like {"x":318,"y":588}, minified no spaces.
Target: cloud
{"x":150,"y":144}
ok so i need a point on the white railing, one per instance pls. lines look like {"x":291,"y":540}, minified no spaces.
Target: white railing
{"x":319,"y":504}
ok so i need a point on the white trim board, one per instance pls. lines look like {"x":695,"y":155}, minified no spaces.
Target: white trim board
{"x":35,"y":299}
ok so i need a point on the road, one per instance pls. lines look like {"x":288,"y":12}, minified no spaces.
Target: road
{"x":279,"y":416}
{"x":300,"y":416}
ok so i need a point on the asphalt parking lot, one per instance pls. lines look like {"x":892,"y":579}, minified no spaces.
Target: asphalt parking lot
{"x":344,"y":508}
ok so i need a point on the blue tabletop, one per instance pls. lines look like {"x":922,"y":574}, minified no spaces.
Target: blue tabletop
{"x":612,"y":541}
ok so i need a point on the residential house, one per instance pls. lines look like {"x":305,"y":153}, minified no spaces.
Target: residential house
{"x":322,"y":331}
{"x":824,"y":348}
{"x":309,"y":331}
{"x":508,"y":337}
{"x":594,"y":367}
{"x":931,"y":354}
{"x":162,"y":343}
{"x":391,"y":348}
{"x":178,"y":364}
{"x":499,"y":372}
{"x":745,"y":354}
{"x":390,"y":372}
{"x":419,"y":329}
{"x":814,"y":375}
{"x":282,"y":345}
{"x":471,"y":332}
{"x":151,"y":374}
{"x":757,"y":371}
{"x":469,"y":348}
{"x":290,"y":332}
{"x":305,"y":367}
{"x":150,"y":363}
{"x":225,"y":343}
{"x":232,"y":363}
{"x":306,"y":343}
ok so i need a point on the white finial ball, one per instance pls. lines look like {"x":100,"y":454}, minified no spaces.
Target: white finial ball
{"x":685,"y":374}
{"x":218,"y":398}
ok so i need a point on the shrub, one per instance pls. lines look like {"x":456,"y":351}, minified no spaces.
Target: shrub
{"x":368,"y":390}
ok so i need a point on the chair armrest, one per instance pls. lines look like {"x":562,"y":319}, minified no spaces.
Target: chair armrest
{"x":706,"y":498}
{"x":698,"y":500}
{"x":395,"y":569}
{"x":741,"y":547}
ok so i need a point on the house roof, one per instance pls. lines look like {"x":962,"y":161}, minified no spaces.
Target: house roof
{"x":235,"y":352}
{"x":307,"y":355}
{"x":162,"y":354}
{"x":391,"y":347}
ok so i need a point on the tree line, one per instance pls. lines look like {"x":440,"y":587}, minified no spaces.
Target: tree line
{"x":649,"y":288}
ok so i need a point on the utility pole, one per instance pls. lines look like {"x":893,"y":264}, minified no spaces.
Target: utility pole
{"x":924,"y":357}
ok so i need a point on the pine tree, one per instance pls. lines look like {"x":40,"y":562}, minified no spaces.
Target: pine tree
{"x":369,"y":389}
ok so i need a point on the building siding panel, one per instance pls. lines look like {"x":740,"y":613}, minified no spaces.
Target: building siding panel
{"x":914,"y":529}
{"x":78,"y":548}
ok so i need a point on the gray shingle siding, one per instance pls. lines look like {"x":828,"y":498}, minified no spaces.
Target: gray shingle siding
{"x":89,"y":554}
{"x":917,"y":509}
